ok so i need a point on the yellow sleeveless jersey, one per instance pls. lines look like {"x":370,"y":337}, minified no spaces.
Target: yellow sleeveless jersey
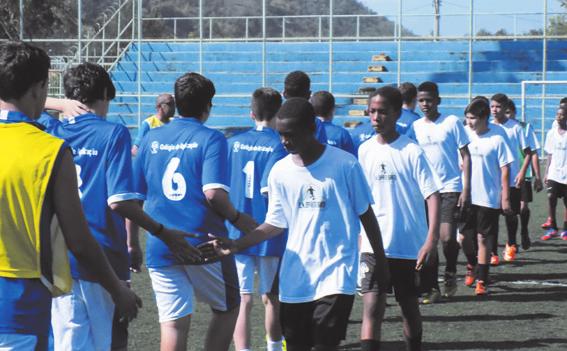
{"x":27,"y":248}
{"x":153,"y":122}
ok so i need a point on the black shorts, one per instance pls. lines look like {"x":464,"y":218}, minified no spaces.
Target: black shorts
{"x":515,"y":200}
{"x":527,"y":192}
{"x":404,"y":279}
{"x":449,"y":209}
{"x":481,"y":220}
{"x":556,"y":188}
{"x":319,"y":322}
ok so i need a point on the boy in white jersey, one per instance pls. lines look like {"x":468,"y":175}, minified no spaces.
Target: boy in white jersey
{"x":320,"y":194}
{"x":251,"y":156}
{"x":443,"y":138}
{"x":533,"y":172}
{"x":556,"y":172}
{"x":490,"y":160}
{"x":400,"y":178}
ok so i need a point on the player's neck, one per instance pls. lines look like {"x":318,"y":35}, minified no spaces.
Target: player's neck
{"x":310,"y":155}
{"x":387,"y":138}
{"x":325,"y":119}
{"x":432,"y":117}
{"x":21,"y":106}
{"x":500,"y":120}
{"x":263,"y":124}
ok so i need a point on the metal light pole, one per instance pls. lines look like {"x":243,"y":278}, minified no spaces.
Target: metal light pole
{"x":21,"y":19}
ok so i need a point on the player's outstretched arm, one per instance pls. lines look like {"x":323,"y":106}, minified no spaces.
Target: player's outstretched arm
{"x":134,"y":248}
{"x":465,"y":196}
{"x":69,"y":108}
{"x":522,"y":174}
{"x":538,"y":185}
{"x":80,"y":241}
{"x":174,"y":239}
{"x":429,"y":248}
{"x":372,"y":229}
{"x":220,"y":202}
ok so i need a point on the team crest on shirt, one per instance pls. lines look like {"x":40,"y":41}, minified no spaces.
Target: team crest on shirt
{"x":312,"y":196}
{"x":384,"y":173}
{"x":154,"y":147}
{"x":236,"y":146}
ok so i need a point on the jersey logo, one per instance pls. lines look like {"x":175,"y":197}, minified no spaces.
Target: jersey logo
{"x":312,"y":196}
{"x":384,"y":174}
{"x":154,"y":147}
{"x":236,"y":146}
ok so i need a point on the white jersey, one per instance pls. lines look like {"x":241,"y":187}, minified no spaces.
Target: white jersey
{"x":321,"y":205}
{"x":441,"y":140}
{"x":489,"y":153}
{"x":400,"y":178}
{"x":516,"y":142}
{"x":556,"y":146}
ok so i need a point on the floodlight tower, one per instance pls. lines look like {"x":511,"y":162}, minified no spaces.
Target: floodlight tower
{"x":436,"y":6}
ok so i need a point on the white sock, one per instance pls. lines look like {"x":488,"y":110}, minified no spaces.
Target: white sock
{"x":274,"y":345}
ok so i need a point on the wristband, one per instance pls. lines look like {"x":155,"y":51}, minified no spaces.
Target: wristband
{"x":233,"y":221}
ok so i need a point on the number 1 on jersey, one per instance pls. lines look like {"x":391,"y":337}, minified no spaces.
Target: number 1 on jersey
{"x":249,"y":182}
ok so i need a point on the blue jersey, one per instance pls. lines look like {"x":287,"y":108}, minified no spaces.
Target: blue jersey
{"x":251,"y":156}
{"x":320,"y":133}
{"x":338,"y":136}
{"x":405,"y":121}
{"x":361,"y":133}
{"x":101,"y":151}
{"x":48,"y":121}
{"x":175,"y":165}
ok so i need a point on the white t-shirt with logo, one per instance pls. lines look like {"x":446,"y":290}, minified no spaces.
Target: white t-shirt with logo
{"x":441,"y":140}
{"x":400,"y":178}
{"x":516,"y":142}
{"x":321,"y":205}
{"x":556,"y":145}
{"x":489,"y":152}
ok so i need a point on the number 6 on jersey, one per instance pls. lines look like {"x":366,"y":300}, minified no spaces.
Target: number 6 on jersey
{"x":173,"y":184}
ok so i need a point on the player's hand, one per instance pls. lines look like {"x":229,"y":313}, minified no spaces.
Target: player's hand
{"x":73,"y":108}
{"x":518,"y":181}
{"x":182,"y":251}
{"x":538,"y":185}
{"x":127,"y":302}
{"x":136,"y":258}
{"x":506,"y":208}
{"x":216,"y":248}
{"x":426,"y":254}
{"x":464,"y":199}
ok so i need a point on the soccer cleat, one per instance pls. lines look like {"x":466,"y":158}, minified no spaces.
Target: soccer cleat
{"x":469,"y":276}
{"x":548,"y":224}
{"x":510,"y":253}
{"x":432,"y":297}
{"x":450,"y":288}
{"x":494,"y":260}
{"x":480,"y":288}
{"x":563,"y":235}
{"x":526,"y":242}
{"x":549,"y":234}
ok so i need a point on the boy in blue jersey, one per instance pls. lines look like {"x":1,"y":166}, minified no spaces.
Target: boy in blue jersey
{"x":319,"y":193}
{"x":444,"y":140}
{"x":298,"y":84}
{"x":101,"y":152}
{"x":165,"y":109}
{"x":324,"y":105}
{"x":251,"y":156}
{"x":26,"y":298}
{"x":181,"y":169}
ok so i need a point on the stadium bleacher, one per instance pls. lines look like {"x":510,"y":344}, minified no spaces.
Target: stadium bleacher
{"x":236,"y":70}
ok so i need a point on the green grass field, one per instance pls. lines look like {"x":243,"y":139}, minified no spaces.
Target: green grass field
{"x":526,"y":308}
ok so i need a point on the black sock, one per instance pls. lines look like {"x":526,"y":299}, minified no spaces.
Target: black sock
{"x":451,"y":251}
{"x":524,"y":220}
{"x":414,"y":343}
{"x":471,"y":259}
{"x":495,"y":241}
{"x":369,"y":345}
{"x":482,"y":272}
{"x":565,"y":225}
{"x":512,"y":226}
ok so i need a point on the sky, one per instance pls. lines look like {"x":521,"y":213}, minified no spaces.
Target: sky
{"x":492,"y":14}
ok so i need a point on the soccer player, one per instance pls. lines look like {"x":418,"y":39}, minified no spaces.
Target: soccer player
{"x":182,"y":171}
{"x":165,"y":109}
{"x":532,"y":172}
{"x":443,"y":138}
{"x":556,"y":172}
{"x":319,"y":193}
{"x":400,"y":178}
{"x":517,"y":143}
{"x":101,"y":152}
{"x":324,"y":105}
{"x":251,"y":156}
{"x":298,"y":84}
{"x":490,"y":169}
{"x":38,"y":175}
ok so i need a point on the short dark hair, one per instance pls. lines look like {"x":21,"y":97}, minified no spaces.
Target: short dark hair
{"x":430,"y":87}
{"x":21,"y":66}
{"x":510,"y":105}
{"x":87,"y":83}
{"x":563,"y":101}
{"x":323,"y":103}
{"x":408,"y":91}
{"x":391,"y":94}
{"x":193,"y":94}
{"x":482,"y":97}
{"x":297,"y":84}
{"x":478,"y":107}
{"x":500,"y":98}
{"x":265,"y":103}
{"x":299,"y":110}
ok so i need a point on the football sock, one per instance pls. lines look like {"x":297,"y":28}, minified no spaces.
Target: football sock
{"x":274,"y":345}
{"x":495,"y":242}
{"x":482,"y":272}
{"x":512,"y":226}
{"x":451,"y":251}
{"x":524,"y":220}
{"x":369,"y":345}
{"x":471,"y":259}
{"x":413,"y":343}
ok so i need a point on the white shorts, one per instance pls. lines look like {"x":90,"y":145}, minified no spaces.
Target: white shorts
{"x":215,"y":284}
{"x":17,"y":342}
{"x":267,"y":268}
{"x":82,"y":320}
